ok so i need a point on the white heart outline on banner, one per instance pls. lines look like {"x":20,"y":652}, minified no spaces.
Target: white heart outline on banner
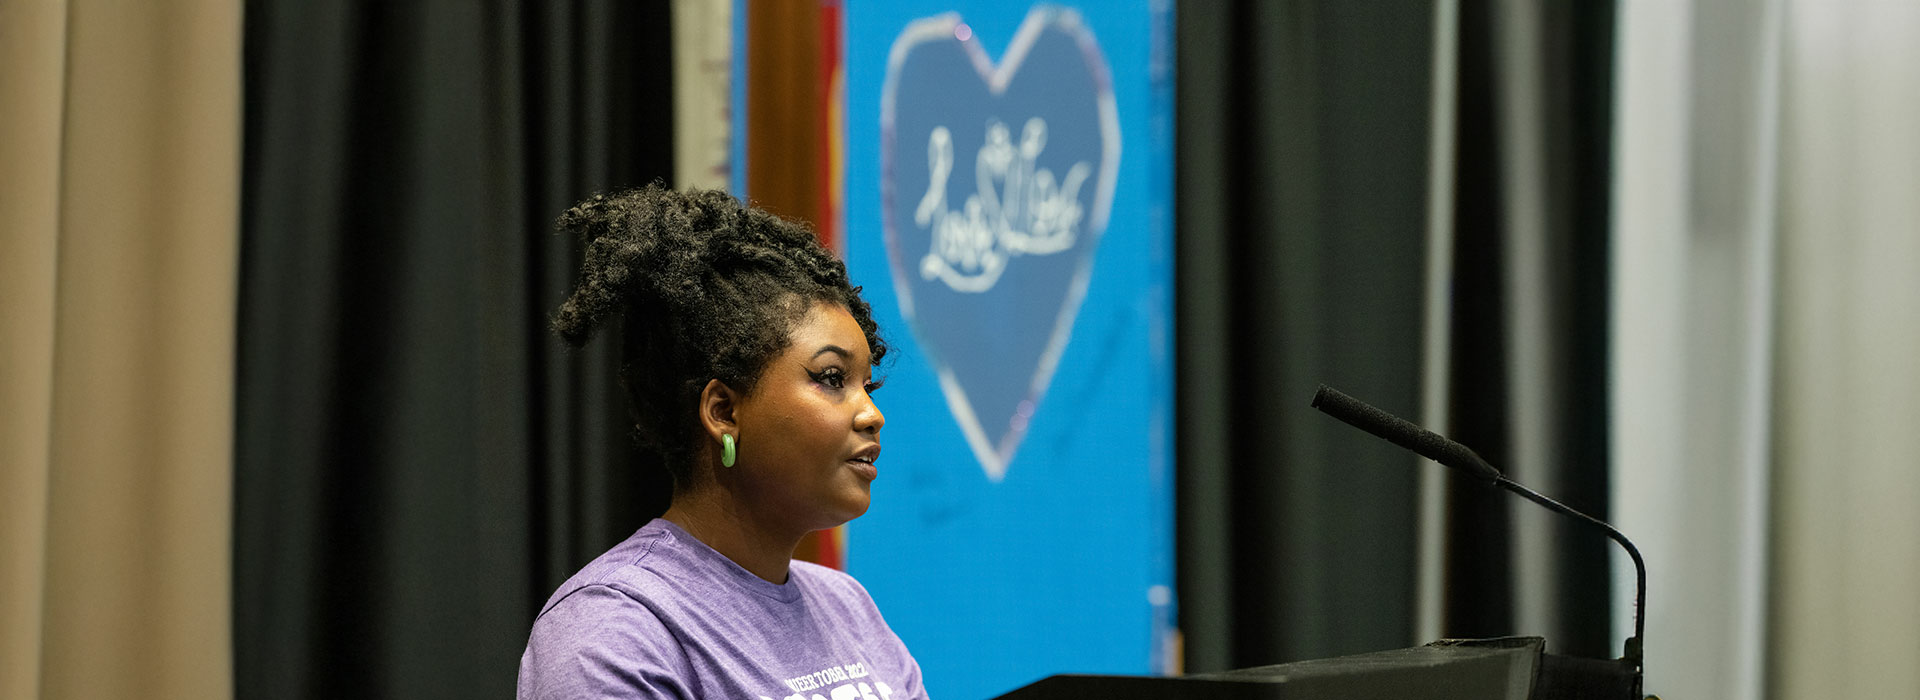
{"x":995,"y":458}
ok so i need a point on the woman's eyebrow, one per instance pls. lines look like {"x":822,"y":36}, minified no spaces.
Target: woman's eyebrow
{"x":835,"y":349}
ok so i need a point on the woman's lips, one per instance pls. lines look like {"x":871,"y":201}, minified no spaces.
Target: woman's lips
{"x":863,"y":463}
{"x":863,"y":459}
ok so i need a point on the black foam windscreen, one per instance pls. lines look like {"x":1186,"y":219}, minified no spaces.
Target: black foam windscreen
{"x":1398,"y":431}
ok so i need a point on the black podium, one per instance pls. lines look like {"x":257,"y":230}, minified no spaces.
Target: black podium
{"x":1515,"y":668}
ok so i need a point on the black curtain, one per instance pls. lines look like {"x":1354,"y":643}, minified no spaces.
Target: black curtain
{"x":1303,"y":182}
{"x":418,"y":462}
{"x":1301,"y":200}
{"x":1572,"y":56}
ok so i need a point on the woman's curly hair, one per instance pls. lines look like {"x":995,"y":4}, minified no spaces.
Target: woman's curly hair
{"x":708,"y":288}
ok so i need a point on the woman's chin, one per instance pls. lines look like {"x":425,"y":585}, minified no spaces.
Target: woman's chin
{"x":853,"y":505}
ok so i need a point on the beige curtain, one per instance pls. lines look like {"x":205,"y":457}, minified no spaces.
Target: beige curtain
{"x":1768,"y":331}
{"x":1695,"y":285}
{"x":702,"y":91}
{"x":1846,"y":608}
{"x":119,"y":195}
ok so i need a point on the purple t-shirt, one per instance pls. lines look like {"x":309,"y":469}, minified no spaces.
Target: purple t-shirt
{"x":663,"y":615}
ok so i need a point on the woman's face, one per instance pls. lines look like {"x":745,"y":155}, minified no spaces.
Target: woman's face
{"x":809,"y":433}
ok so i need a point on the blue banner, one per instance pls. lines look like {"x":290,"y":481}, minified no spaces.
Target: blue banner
{"x":1009,"y":210}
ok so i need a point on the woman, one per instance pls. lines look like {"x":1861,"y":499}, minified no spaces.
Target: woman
{"x":747,"y":359}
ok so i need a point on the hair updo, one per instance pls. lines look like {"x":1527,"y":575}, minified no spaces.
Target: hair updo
{"x":708,"y":288}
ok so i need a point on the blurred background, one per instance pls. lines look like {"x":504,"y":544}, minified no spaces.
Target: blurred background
{"x":280,"y":417}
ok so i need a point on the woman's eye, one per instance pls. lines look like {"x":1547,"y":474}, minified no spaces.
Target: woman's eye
{"x":831,"y":377}
{"x":874,"y":386}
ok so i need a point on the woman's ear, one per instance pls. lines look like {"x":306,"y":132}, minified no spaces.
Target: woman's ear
{"x":717,"y":404}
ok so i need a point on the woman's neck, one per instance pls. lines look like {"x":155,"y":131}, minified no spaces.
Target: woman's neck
{"x":735,"y":535}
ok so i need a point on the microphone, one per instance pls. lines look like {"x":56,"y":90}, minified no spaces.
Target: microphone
{"x":1438,"y":448}
{"x":1398,"y":431}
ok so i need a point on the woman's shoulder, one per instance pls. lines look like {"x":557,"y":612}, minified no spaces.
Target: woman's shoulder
{"x":617,"y":569}
{"x":598,"y":640}
{"x":608,"y":610}
{"x":598,"y":605}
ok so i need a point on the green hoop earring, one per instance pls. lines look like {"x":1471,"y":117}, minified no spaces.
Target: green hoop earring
{"x":726,"y":450}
